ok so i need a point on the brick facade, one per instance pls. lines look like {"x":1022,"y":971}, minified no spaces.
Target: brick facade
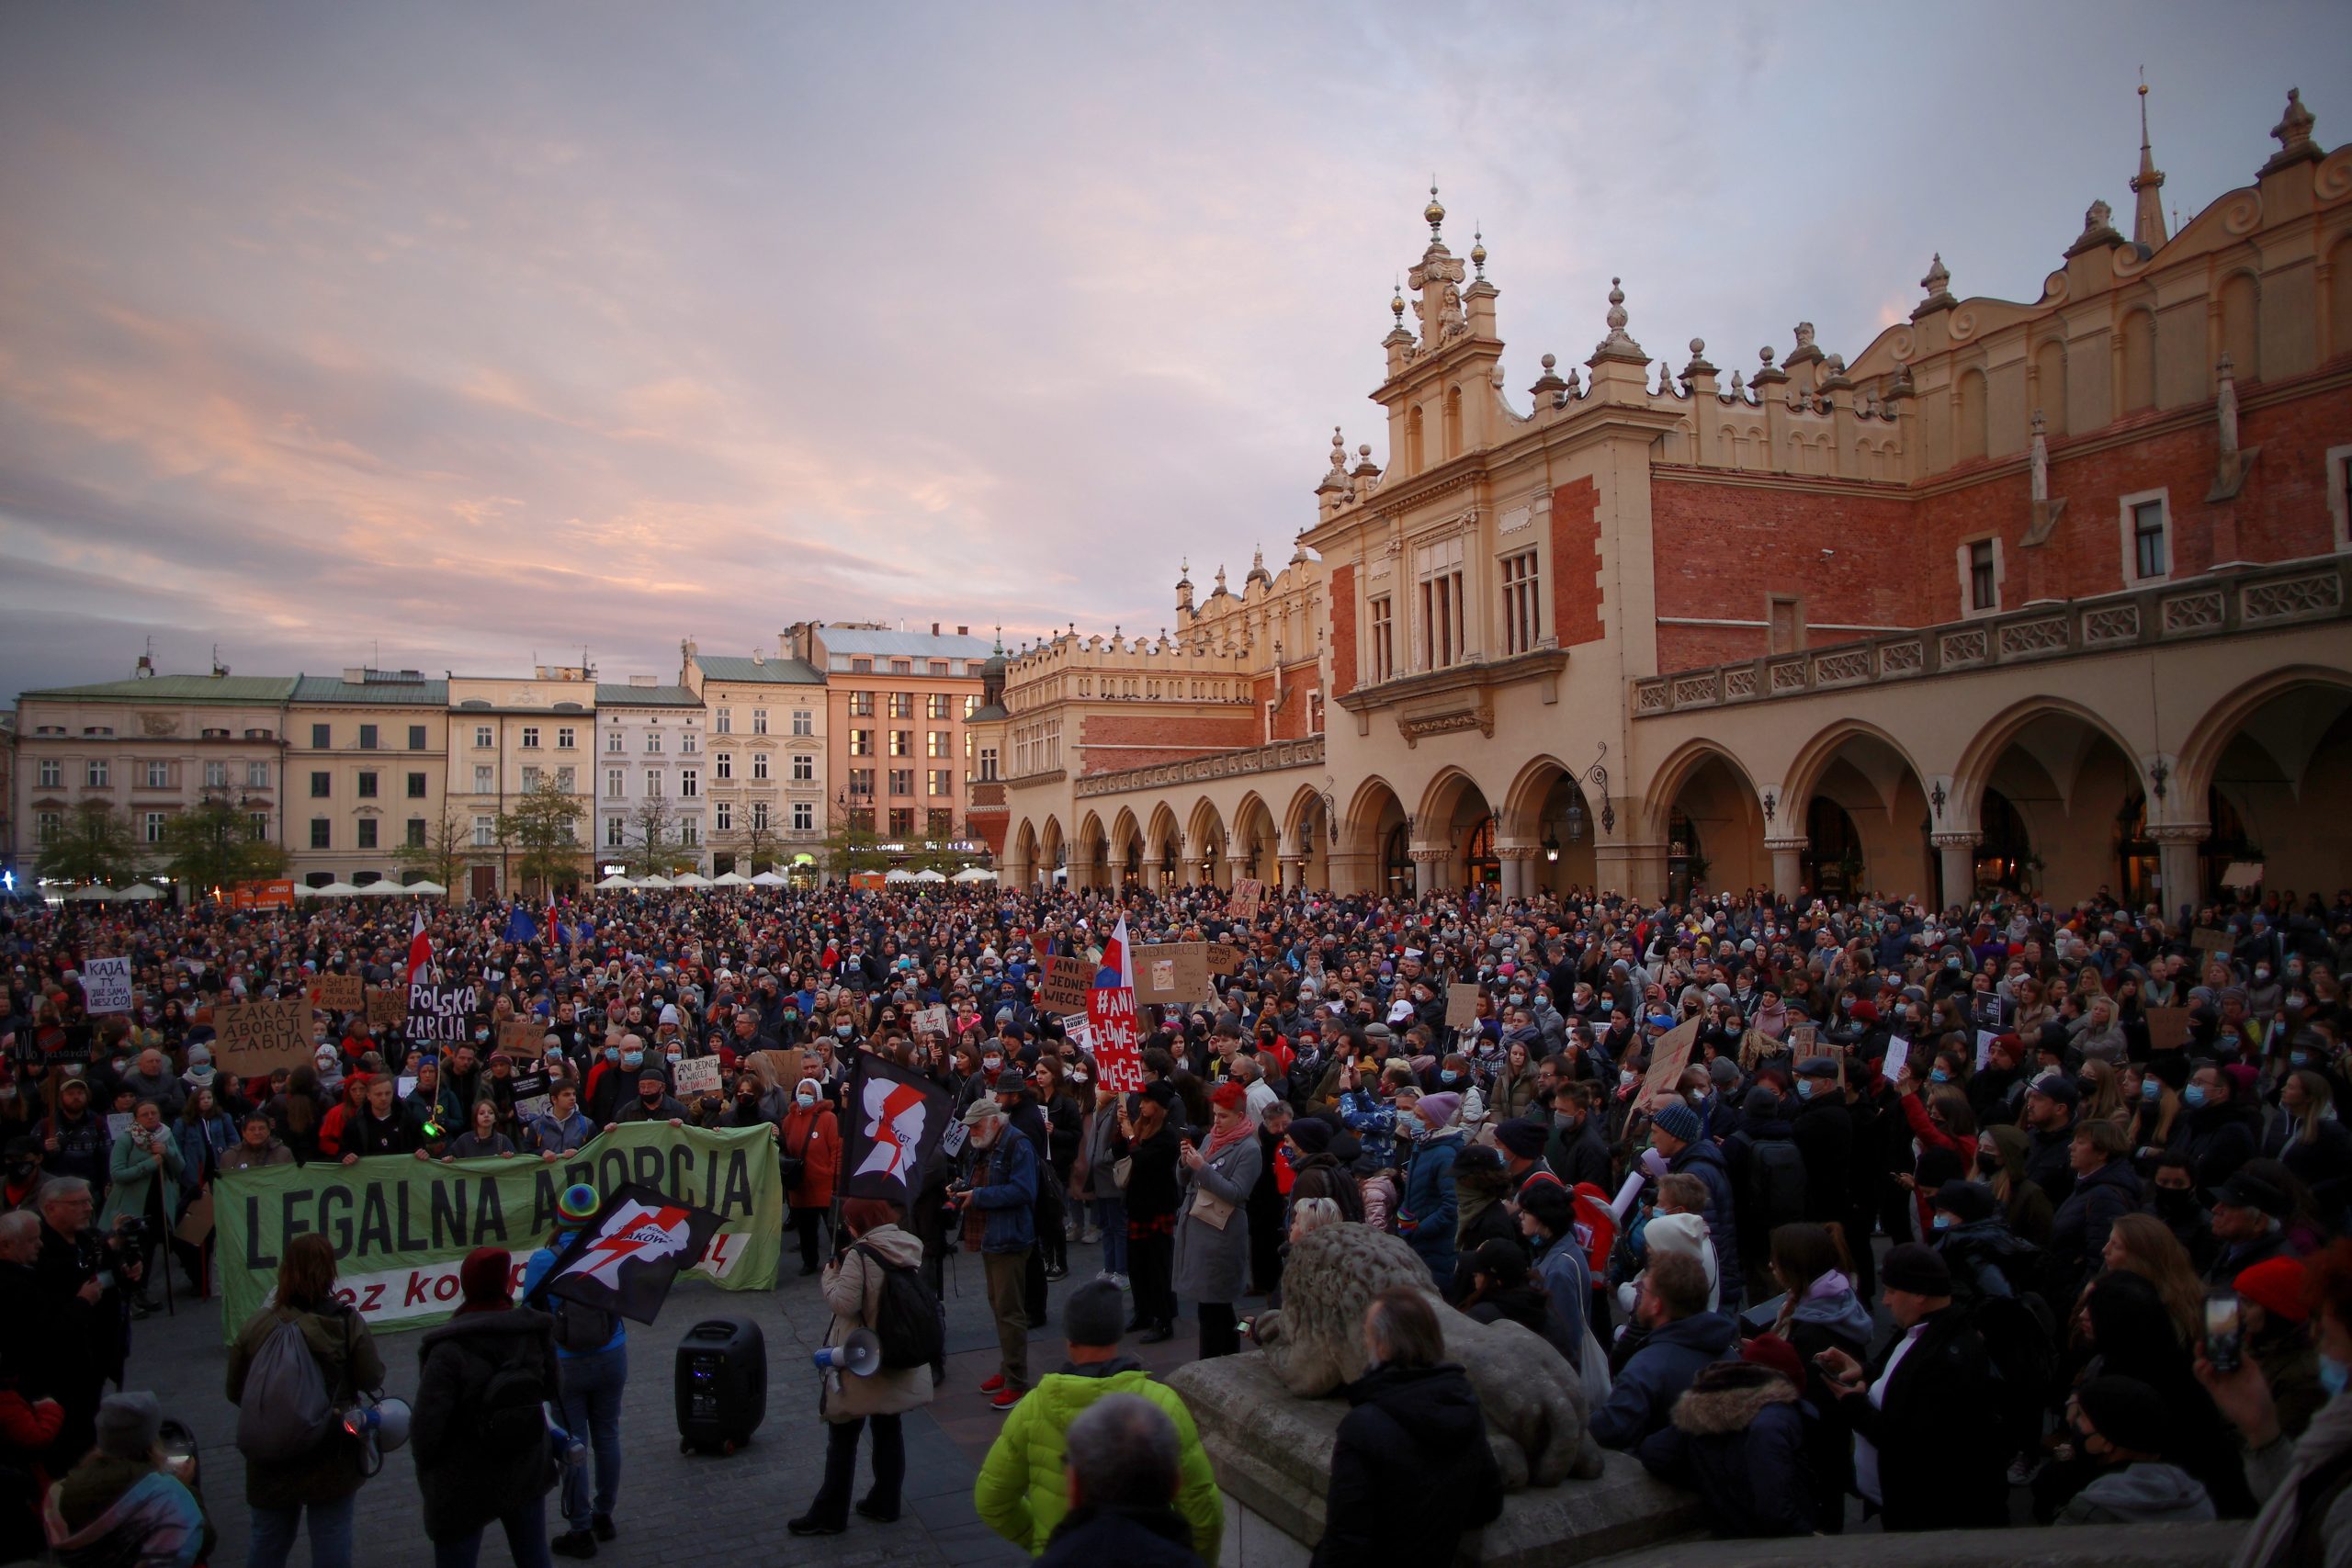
{"x":1576,"y":553}
{"x":1342,"y":602}
{"x":1113,"y":742}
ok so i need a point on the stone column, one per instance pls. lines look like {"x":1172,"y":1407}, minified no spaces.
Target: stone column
{"x":2177,"y":863}
{"x":1788,"y":864}
{"x":1428,"y":868}
{"x":1958,"y":853}
{"x":1519,"y":878}
{"x":1349,"y":872}
{"x":1236,"y":868}
{"x":1294,"y":873}
{"x":1636,"y":871}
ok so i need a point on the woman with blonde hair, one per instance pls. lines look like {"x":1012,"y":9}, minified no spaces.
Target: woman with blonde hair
{"x":2102,"y":1086}
{"x":2145,"y":1244}
{"x":2307,"y":1139}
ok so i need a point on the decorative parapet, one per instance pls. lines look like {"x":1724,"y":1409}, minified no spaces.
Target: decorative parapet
{"x":2289,"y":593}
{"x":1303,"y":753}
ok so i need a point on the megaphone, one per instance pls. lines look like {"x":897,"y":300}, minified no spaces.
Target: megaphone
{"x":860,"y":1355}
{"x":386,"y":1422}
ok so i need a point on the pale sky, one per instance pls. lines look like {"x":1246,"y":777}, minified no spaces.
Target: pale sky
{"x":444,"y":336}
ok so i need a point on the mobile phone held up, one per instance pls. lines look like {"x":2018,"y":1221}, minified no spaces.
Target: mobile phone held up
{"x":2224,"y":1336}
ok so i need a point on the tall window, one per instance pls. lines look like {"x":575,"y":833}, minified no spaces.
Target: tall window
{"x":902,"y":704}
{"x":988,"y":763}
{"x":861,"y":743}
{"x":1438,"y":569}
{"x":802,"y":722}
{"x":804,"y":768}
{"x":760,"y":814}
{"x":937,"y":743}
{"x":759,"y":764}
{"x":96,"y":774}
{"x":689,"y":781}
{"x":485,"y":832}
{"x":653,"y":740}
{"x":530,"y":737}
{"x":564,"y":781}
{"x":156,"y":826}
{"x":368,"y":784}
{"x":482,"y":742}
{"x":935,"y":705}
{"x":902,"y":822}
{"x":216,"y":774}
{"x":321,"y":785}
{"x":366,"y":832}
{"x":902,"y":743}
{"x":902,"y":667}
{"x":322,"y":833}
{"x":615,"y":783}
{"x":686,"y":743}
{"x":530,"y":778}
{"x":1983,"y":591}
{"x":861,"y":781}
{"x":52,"y":773}
{"x":416,"y":832}
{"x":1380,"y":638}
{"x":416,"y":737}
{"x":902,"y":781}
{"x":257,"y":776}
{"x":416,"y":787}
{"x":366,"y":741}
{"x":725,"y":722}
{"x":257,"y":827}
{"x":322,"y":737}
{"x":613,"y":740}
{"x":759,"y":721}
{"x":804,"y":816}
{"x":615,"y":834}
{"x":689,"y":830}
{"x":943,"y":781}
{"x":47,"y":826}
{"x":723,"y":818}
{"x":652,"y":783}
{"x":566,"y":738}
{"x":1520,"y":619}
{"x":861,"y":705}
{"x":722,"y":764}
{"x":2147,"y":537}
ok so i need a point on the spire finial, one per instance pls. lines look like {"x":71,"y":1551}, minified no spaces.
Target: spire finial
{"x":1478,"y":252}
{"x":2293,"y":134}
{"x":1434,"y":213}
{"x":1397,"y":300}
{"x":2148,"y":213}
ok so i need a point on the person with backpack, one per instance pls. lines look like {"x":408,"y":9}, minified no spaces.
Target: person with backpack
{"x":591,"y":1367}
{"x":478,"y":1430}
{"x":1768,"y":1171}
{"x":874,"y":1282}
{"x":292,"y":1365}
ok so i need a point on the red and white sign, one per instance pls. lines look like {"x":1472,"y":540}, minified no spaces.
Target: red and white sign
{"x":1118,"y":1054}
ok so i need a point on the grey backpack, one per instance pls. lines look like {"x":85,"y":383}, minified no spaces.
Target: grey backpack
{"x":285,"y":1412}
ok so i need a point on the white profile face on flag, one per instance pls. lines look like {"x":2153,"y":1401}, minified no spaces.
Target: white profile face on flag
{"x":634,"y":1233}
{"x":895,"y":1116}
{"x":625,"y":1258}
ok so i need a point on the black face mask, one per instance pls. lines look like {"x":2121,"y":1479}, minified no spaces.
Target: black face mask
{"x":1988,"y":1165}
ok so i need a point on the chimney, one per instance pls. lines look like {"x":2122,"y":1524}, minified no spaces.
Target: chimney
{"x":963,"y":631}
{"x":758,"y":655}
{"x":355,"y":676}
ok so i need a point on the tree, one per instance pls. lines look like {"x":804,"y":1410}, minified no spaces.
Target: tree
{"x":212,"y":844}
{"x":655,"y":846}
{"x":96,"y":843}
{"x":443,"y":854}
{"x":851,"y":844}
{"x":545,"y":824}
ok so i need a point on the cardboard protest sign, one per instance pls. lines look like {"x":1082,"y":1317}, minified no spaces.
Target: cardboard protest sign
{"x":1063,"y":990}
{"x":1170,"y":973}
{"x":387,"y":1008}
{"x":2167,"y":1029}
{"x":1984,"y":1038}
{"x":776,"y":1070}
{"x":695,"y":1075}
{"x":341,"y":993}
{"x":2204,"y":939}
{"x":1460,"y":1004}
{"x":440,"y":1014}
{"x":1247,"y":893}
{"x":1224,"y":958}
{"x":932,"y":1020}
{"x":256,"y":1039}
{"x":523,"y":1037}
{"x":1670,"y":1054}
{"x":1118,"y":1054}
{"x":197,"y":1224}
{"x":105,"y":985}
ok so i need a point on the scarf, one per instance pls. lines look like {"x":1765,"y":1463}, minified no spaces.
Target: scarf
{"x":1224,"y":1139}
{"x":2274,"y":1529}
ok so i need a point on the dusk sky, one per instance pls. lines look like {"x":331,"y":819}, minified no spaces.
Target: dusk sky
{"x":446,"y":335}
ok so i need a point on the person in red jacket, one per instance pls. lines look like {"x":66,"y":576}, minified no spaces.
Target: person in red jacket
{"x":28,"y":1427}
{"x":811,"y":1135}
{"x":338,"y":1122}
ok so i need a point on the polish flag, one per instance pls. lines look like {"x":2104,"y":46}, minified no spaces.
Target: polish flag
{"x":420,"y":948}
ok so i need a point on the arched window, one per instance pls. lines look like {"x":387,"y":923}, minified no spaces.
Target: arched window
{"x":1481,"y":865}
{"x":1834,"y":854}
{"x":1396,"y":861}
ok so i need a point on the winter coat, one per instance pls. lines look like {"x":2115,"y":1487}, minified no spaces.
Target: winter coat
{"x":1132,"y":1538}
{"x":239,"y":1155}
{"x":1212,"y":1264}
{"x":812,"y":1134}
{"x":1562,"y":1267}
{"x":1737,"y":1437}
{"x":1155,"y":1183}
{"x":1941,"y":1451}
{"x":1579,"y":1156}
{"x":1322,"y":1175}
{"x":465,"y":1488}
{"x":1023,"y":1491}
{"x":853,"y":1286}
{"x":1642,"y":1398}
{"x":1004,"y":1189}
{"x":2078,"y":1233}
{"x":1379,"y":1194}
{"x":369,"y":1135}
{"x":136,"y":1168}
{"x":2143,"y":1494}
{"x":2218,"y":1139}
{"x":340,"y":1342}
{"x":1511,"y":1096}
{"x":1482,"y":1217}
{"x":1428,"y":1217}
{"x":1705,"y":1161}
{"x":1986,"y":1258}
{"x":1415,"y":1432}
{"x":1529,"y":1306}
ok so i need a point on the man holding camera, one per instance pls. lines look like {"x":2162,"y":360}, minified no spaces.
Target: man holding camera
{"x":145,"y":1192}
{"x":79,"y":1320}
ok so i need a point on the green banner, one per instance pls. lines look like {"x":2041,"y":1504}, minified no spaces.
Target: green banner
{"x":400,"y":1226}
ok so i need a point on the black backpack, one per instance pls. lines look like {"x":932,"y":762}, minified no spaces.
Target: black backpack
{"x":579,"y":1327}
{"x":908,"y":1319}
{"x":509,"y":1413}
{"x":1776,"y":1181}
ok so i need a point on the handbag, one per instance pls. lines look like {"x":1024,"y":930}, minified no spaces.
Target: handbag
{"x":795,"y":1166}
{"x":1211,"y":1210}
{"x":1122,"y":1169}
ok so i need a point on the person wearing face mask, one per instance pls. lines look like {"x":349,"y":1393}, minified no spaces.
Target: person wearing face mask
{"x":653,"y":1102}
{"x":21,"y":1163}
{"x":2172,"y":1198}
{"x":810,"y":1144}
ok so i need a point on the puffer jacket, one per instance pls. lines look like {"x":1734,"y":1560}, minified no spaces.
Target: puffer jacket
{"x":464,"y":1488}
{"x":813,"y":1136}
{"x":1705,"y":1161}
{"x":1429,"y":1217}
{"x":348,"y":1362}
{"x":1023,"y":1491}
{"x":1643,"y":1396}
{"x":2078,"y":1234}
{"x":853,"y":1286}
{"x":1737,"y":1437}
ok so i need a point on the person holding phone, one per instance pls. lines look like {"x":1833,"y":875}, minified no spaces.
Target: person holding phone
{"x":1928,"y":1451}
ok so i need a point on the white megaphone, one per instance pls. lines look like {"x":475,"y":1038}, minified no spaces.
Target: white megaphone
{"x":860,"y":1355}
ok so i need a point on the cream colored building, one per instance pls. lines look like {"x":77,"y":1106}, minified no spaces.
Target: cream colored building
{"x":2050,"y":593}
{"x":505,"y":736}
{"x":652,"y":774}
{"x":367,"y":766}
{"x":764,"y":733}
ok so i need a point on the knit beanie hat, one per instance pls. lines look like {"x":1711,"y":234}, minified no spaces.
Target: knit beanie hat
{"x":1312,"y":1136}
{"x":1440,"y":1110}
{"x":484,"y":1277}
{"x":2277,"y":1286}
{"x":128,"y":1425}
{"x":1680,"y":1121}
{"x":2127,"y":1413}
{"x":1771,"y":1351}
{"x":576,"y":1204}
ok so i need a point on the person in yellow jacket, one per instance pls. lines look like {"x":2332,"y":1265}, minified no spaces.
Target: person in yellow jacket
{"x":1024,"y":1490}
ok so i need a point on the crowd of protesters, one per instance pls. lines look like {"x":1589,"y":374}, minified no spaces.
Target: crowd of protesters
{"x":2078,"y":1257}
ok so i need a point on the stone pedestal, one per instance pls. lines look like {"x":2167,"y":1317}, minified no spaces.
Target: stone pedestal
{"x":1272,"y":1454}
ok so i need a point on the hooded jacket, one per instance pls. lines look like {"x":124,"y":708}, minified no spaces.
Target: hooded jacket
{"x":1416,"y":1432}
{"x":1644,"y":1391}
{"x":2079,"y":1231}
{"x":1737,"y":1437}
{"x":1705,"y":1161}
{"x":1023,"y":1491}
{"x":2143,"y":1494}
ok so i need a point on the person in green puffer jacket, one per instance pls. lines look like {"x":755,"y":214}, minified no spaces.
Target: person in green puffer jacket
{"x":1024,"y":1491}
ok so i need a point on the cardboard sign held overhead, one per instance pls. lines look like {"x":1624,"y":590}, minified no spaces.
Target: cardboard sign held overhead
{"x":2167,"y":1029}
{"x":1224,"y":958}
{"x":341,"y":993}
{"x":1460,"y":1004}
{"x":387,"y":1007}
{"x":258,"y":1038}
{"x":932,"y":1020}
{"x":1064,"y":988}
{"x":776,"y":1070}
{"x":695,"y":1075}
{"x":105,"y":985}
{"x":1670,"y":1054}
{"x":1172,"y":973}
{"x":2205,"y":938}
{"x":523,"y":1037}
{"x":1247,"y":892}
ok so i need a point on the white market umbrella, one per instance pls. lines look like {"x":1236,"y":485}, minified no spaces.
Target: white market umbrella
{"x":332,"y":890}
{"x":94,"y":894}
{"x":656,"y":880}
{"x":379,"y":888}
{"x":898,"y":873}
{"x":974,"y":874}
{"x":415,"y":890}
{"x":141,"y":892}
{"x":692,"y":879}
{"x":732,"y":879}
{"x":928,"y":875}
{"x":769,"y":879}
{"x":616,"y":880}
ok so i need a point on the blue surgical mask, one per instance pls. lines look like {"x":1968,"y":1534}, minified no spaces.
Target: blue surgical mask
{"x":2300,"y":1058}
{"x":632,"y":1058}
{"x":1448,"y":1076}
{"x":2195,"y":1095}
{"x":844,"y":1030}
{"x":2151,"y":1091}
{"x":1943,"y":1222}
{"x":2334,"y":1375}
{"x":1804,"y":1088}
{"x":1939,"y":1075}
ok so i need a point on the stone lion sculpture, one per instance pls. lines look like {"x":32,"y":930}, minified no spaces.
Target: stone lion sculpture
{"x":1532,"y":1401}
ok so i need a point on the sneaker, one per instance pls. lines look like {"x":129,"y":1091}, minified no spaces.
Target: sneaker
{"x":1121,"y":1281}
{"x":810,"y":1524}
{"x":603,"y":1524}
{"x":1106,"y":1278}
{"x":867,"y":1510}
{"x":993,"y":1384}
{"x":573,"y":1543}
{"x":1158,"y":1334}
{"x":1006,"y":1398}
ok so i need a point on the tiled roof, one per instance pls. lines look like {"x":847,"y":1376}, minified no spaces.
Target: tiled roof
{"x":379,"y":692}
{"x":621,"y":696}
{"x":775,"y":672}
{"x":245,"y":688}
